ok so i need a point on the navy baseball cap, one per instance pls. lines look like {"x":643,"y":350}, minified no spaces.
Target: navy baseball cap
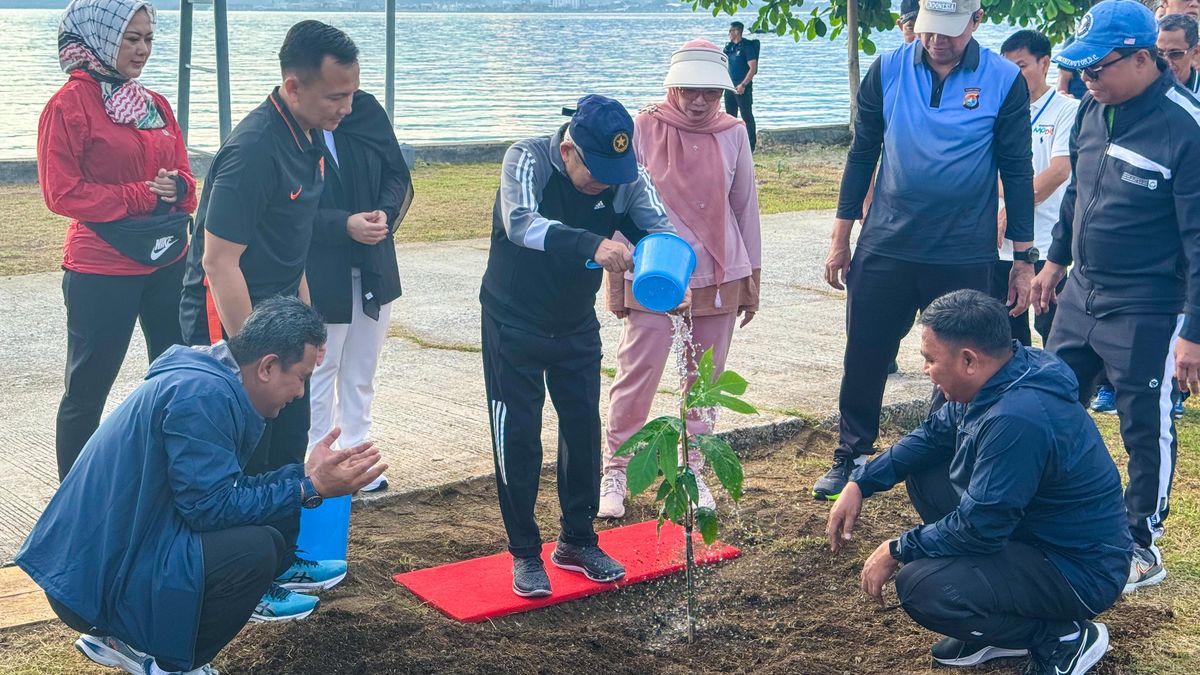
{"x":602,"y":130}
{"x":1112,"y":24}
{"x":908,"y":10}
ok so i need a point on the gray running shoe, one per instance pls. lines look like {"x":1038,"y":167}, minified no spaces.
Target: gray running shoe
{"x":593,"y":563}
{"x":529,"y":578}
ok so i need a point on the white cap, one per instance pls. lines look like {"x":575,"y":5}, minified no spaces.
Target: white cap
{"x":699,"y":65}
{"x":945,"y":17}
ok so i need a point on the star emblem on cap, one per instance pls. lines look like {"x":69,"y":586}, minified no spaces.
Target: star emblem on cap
{"x":620,"y":142}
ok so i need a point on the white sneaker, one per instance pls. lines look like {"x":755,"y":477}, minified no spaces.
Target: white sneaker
{"x":109,"y":651}
{"x":376,"y":485}
{"x":612,"y":494}
{"x":706,"y":497}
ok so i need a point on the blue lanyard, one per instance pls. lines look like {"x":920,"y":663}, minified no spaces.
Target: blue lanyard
{"x":1039,"y":115}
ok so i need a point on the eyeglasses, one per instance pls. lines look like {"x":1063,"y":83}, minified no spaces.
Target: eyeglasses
{"x":709,"y":95}
{"x":1177,"y":54}
{"x":1094,"y":72}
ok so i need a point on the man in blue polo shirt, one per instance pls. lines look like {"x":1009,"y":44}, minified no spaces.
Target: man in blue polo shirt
{"x":947,"y":115}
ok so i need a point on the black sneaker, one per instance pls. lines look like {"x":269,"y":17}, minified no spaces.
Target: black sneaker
{"x":1144,"y":569}
{"x":529,"y":578}
{"x":954,"y":652}
{"x":829,"y":487}
{"x":595,"y":564}
{"x":1075,"y":657}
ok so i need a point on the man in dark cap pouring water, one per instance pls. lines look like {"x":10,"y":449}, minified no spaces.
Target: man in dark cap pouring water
{"x":561,"y":199}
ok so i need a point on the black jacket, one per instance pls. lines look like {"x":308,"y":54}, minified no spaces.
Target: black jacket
{"x":1130,"y":220}
{"x":370,"y":174}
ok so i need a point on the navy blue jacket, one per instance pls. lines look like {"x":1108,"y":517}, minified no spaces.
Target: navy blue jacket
{"x":119,"y":544}
{"x":1030,"y":466}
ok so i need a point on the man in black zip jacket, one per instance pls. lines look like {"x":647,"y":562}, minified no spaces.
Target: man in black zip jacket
{"x":1130,"y":223}
{"x":1024,"y":540}
{"x":561,"y":198}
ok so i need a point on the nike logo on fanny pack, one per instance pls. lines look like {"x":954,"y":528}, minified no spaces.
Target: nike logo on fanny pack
{"x":160,"y":247}
{"x":297,"y":192}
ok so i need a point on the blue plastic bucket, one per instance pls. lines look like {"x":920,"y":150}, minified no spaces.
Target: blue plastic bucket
{"x":662,"y":266}
{"x":325,"y":530}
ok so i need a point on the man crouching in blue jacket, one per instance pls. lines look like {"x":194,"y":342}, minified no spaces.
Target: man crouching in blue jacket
{"x":156,"y":547}
{"x":1025,"y":537}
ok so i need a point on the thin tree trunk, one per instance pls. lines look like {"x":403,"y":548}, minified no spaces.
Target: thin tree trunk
{"x":852,"y":57}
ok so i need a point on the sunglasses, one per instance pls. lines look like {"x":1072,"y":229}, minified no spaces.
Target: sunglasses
{"x":1094,"y":72}
{"x":709,"y":95}
{"x":1177,"y":54}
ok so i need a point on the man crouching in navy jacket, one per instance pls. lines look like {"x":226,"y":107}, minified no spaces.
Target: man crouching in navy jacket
{"x":157,"y":547}
{"x":1025,"y":538}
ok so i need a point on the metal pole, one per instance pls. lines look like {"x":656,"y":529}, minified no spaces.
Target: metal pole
{"x":221,"y":24}
{"x":389,"y":84}
{"x":852,"y":57}
{"x":184,"y":92}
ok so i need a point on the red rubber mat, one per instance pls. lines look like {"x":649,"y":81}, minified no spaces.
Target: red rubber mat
{"x":480,"y":589}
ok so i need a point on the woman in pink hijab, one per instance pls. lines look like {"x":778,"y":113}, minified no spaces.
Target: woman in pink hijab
{"x":699,"y":159}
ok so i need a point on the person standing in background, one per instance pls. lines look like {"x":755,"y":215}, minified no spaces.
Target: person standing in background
{"x":1052,"y":117}
{"x":1177,"y":44}
{"x":352,"y":272}
{"x":908,"y":17}
{"x":743,"y":66}
{"x":112,"y":159}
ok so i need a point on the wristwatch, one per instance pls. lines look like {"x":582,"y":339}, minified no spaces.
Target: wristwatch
{"x":1030,"y":255}
{"x":309,"y":497}
{"x":894,"y":549}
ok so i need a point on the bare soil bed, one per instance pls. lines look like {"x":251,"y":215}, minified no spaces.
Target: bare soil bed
{"x":786,"y":606}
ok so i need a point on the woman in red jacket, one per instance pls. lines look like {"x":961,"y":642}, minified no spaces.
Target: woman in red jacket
{"x":112,"y":159}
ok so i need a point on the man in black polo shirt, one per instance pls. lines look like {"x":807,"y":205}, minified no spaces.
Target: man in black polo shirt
{"x":947,"y":115}
{"x":743,"y":66}
{"x":252,"y":234}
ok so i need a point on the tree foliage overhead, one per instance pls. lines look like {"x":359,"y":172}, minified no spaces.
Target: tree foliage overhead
{"x":1055,"y":18}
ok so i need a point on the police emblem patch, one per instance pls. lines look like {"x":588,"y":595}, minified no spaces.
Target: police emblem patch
{"x":971,"y":98}
{"x":620,"y":142}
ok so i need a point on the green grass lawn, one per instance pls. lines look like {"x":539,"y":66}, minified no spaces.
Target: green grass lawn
{"x":453,"y":201}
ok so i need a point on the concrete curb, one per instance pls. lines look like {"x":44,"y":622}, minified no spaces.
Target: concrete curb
{"x":25,"y":170}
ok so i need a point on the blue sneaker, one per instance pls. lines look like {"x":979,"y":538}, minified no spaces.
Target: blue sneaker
{"x":1105,"y":401}
{"x":1177,"y":399}
{"x":312,"y":575}
{"x":280,"y":604}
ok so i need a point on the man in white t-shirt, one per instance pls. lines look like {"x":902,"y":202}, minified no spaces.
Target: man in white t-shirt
{"x":1052,"y":117}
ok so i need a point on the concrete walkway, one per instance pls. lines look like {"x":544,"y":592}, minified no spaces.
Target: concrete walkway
{"x":431,"y":418}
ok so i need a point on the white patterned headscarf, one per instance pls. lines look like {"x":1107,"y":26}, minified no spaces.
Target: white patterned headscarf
{"x":89,"y":38}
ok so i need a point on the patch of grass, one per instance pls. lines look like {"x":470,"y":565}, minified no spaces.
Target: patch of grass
{"x":453,"y":201}
{"x":398,"y":331}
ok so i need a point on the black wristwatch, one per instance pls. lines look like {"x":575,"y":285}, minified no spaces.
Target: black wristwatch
{"x":894,"y":549}
{"x":1030,"y":255}
{"x":309,"y":497}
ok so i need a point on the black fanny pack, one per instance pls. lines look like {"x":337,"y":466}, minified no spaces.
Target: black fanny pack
{"x":155,"y":240}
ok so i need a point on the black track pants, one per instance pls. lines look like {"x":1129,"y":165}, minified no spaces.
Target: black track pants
{"x":518,"y":368}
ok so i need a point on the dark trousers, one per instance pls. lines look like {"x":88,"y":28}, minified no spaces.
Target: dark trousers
{"x":1136,"y":352}
{"x":284,"y":441}
{"x":101,"y":312}
{"x":1015,"y":598}
{"x":744,"y":105}
{"x":239,"y":565}
{"x":1020,"y":324}
{"x":518,"y":368}
{"x":884,"y":295}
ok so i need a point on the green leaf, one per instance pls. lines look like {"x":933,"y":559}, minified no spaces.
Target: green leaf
{"x":707,"y":520}
{"x":735,"y":404}
{"x":731,"y":382}
{"x":642,"y":471}
{"x":688,"y":480}
{"x":668,"y":462}
{"x":675,"y":506}
{"x":724,"y":462}
{"x":656,"y":432}
{"x":868,"y":47}
{"x":663,"y":491}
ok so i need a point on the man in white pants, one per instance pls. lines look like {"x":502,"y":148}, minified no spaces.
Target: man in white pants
{"x":352,"y":270}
